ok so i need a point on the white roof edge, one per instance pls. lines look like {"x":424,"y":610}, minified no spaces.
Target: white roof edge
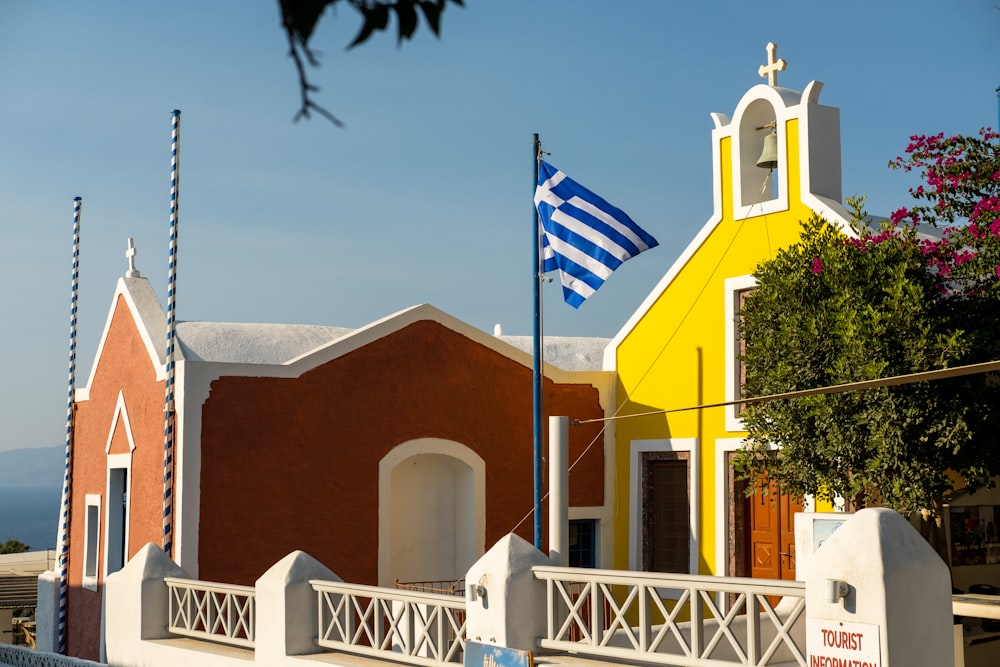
{"x":145,"y":308}
{"x":403,"y":318}
{"x":811,"y":93}
{"x":832,"y":211}
{"x":654,"y":294}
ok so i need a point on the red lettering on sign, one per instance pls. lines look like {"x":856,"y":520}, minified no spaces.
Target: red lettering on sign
{"x":847,"y":641}
{"x":830,"y":661}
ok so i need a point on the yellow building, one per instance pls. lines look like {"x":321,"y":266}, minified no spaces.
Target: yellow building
{"x":679,"y":507}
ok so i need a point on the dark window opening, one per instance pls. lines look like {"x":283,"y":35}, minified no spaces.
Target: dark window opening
{"x":583,"y":543}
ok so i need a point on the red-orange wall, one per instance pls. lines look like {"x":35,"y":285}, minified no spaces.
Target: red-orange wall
{"x":124,"y":366}
{"x":293,"y":463}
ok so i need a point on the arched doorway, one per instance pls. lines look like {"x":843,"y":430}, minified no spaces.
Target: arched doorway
{"x":431,"y":511}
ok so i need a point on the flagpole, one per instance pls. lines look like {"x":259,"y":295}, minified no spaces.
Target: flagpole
{"x":168,"y":409}
{"x":62,"y":538}
{"x":536,"y":279}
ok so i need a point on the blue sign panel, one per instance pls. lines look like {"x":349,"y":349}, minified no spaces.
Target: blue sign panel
{"x":489,"y":655}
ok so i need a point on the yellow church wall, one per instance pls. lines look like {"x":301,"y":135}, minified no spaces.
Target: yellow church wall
{"x":675,"y":357}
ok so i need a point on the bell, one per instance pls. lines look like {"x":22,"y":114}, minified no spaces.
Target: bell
{"x":769,"y":156}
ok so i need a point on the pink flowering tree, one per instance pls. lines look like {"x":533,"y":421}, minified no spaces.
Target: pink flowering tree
{"x":960,"y":196}
{"x":919,"y":291}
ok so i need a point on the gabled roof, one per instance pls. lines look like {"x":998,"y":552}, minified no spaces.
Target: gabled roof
{"x":291,"y":349}
{"x":252,"y":343}
{"x":150,"y":320}
{"x":568,"y":353}
{"x":576,"y":353}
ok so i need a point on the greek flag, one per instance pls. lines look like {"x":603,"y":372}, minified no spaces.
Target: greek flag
{"x":583,"y":236}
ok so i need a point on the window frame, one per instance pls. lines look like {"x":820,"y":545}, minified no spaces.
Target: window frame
{"x":92,"y":541}
{"x":117,"y":462}
{"x":733,"y":369}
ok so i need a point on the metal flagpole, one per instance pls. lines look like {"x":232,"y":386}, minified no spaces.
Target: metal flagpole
{"x":62,"y":540}
{"x":536,"y":149}
{"x":168,"y":409}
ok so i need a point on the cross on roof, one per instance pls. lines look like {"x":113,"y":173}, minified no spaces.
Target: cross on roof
{"x":771,"y":69}
{"x":130,"y":254}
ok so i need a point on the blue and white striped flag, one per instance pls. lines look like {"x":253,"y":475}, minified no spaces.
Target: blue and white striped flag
{"x":583,"y":236}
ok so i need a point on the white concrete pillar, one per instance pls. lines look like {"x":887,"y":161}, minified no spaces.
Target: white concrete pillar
{"x":878,"y":594}
{"x":505,"y":604}
{"x":136,"y":604}
{"x":287,"y":611}
{"x":47,"y":612}
{"x":559,"y":490}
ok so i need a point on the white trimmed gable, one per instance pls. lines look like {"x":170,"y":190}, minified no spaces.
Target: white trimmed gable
{"x":819,"y":173}
{"x":151,"y":321}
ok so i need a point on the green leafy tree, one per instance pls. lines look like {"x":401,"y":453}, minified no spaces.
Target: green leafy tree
{"x":300,"y":17}
{"x":13,"y":547}
{"x":832,"y":310}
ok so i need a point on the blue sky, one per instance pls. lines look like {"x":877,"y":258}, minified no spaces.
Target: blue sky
{"x":425,"y":196}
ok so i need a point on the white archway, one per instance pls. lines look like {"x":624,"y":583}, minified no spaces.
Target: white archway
{"x":432,"y":511}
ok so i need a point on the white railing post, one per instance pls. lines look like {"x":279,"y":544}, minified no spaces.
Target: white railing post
{"x":505,"y":603}
{"x":47,"y":612}
{"x":550,"y":607}
{"x":645,"y":620}
{"x":597,"y":614}
{"x":286,"y":608}
{"x":753,"y":627}
{"x":136,"y":602}
{"x":697,"y":622}
{"x":876,"y":591}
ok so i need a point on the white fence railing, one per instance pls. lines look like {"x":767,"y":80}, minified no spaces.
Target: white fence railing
{"x":22,"y":656}
{"x":207,"y":610}
{"x":978,"y":635}
{"x":679,"y":620}
{"x":416,"y":628}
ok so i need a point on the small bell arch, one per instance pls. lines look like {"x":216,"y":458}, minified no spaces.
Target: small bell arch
{"x":759,"y":153}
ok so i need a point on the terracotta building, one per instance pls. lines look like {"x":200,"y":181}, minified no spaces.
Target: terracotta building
{"x":399,"y":451}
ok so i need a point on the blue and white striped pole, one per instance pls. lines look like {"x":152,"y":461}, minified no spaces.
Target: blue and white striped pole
{"x":62,"y":539}
{"x":168,"y":409}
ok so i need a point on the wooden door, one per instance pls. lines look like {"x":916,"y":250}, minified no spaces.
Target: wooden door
{"x":666,"y":521}
{"x":772,"y":535}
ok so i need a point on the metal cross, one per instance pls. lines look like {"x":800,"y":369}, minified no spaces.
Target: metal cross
{"x":773,"y":66}
{"x":130,"y":256}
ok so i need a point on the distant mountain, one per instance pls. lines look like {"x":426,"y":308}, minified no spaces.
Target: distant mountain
{"x":37,"y":467}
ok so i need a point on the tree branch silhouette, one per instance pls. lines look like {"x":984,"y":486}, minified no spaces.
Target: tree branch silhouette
{"x":300,"y":17}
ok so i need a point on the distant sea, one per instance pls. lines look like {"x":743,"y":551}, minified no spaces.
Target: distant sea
{"x":30,"y":491}
{"x":30,"y":514}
